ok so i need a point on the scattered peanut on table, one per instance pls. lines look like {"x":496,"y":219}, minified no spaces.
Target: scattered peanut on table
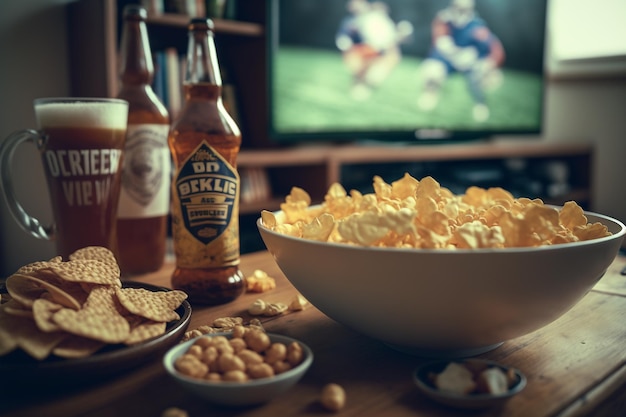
{"x":174,"y":412}
{"x":333,"y":397}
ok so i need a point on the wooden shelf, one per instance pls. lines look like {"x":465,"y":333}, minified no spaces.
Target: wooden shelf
{"x":333,"y":157}
{"x":221,"y":25}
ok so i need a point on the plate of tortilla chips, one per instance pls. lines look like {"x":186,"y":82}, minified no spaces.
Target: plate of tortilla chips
{"x":77,"y":318}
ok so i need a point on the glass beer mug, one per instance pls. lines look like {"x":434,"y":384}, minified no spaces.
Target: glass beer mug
{"x":80,"y":141}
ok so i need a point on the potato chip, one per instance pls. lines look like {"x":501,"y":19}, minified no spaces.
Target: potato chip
{"x":362,"y":228}
{"x":572,"y":216}
{"x":34,"y":266}
{"x":268,"y":218}
{"x":73,"y":347}
{"x":591,"y":231}
{"x":296,"y":204}
{"x":24,"y":290}
{"x":145,"y":330}
{"x":27,"y":336}
{"x":97,"y":253}
{"x":260,"y":281}
{"x":91,"y":271}
{"x":476,"y":235}
{"x":153,"y":305}
{"x":319,"y":228}
{"x":15,"y":308}
{"x":8,"y":343}
{"x":25,"y":286}
{"x":42,"y":312}
{"x":423,"y":214}
{"x":99,"y":319}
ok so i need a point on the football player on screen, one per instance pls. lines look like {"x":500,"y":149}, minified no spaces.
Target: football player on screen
{"x":369,"y":40}
{"x":461,"y":43}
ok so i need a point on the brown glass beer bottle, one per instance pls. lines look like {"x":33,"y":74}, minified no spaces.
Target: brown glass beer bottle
{"x":204,"y":142}
{"x":146,"y":173}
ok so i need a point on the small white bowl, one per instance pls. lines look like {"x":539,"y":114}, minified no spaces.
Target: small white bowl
{"x":256,"y":391}
{"x":467,"y":401}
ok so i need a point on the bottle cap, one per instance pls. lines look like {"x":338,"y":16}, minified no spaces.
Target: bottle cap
{"x":202,"y":21}
{"x":135,"y":10}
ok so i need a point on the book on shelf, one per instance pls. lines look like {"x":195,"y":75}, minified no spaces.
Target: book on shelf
{"x":174,"y":80}
{"x":169,"y":73}
{"x":159,"y":85}
{"x":216,"y":9}
{"x":255,"y":185}
{"x":187,"y":7}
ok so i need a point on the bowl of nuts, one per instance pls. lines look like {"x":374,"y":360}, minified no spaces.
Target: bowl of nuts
{"x":436,"y":274}
{"x":469,"y":383}
{"x":240,"y":368}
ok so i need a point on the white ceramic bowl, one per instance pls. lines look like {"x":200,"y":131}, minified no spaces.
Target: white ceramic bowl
{"x":253,"y":392}
{"x":444,"y":303}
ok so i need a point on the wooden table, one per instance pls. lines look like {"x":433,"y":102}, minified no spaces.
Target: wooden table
{"x":575,"y":366}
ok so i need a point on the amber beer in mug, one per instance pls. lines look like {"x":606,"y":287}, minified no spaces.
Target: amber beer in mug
{"x":81,"y":143}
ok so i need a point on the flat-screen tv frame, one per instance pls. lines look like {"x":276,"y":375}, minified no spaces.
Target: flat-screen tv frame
{"x":313,"y":95}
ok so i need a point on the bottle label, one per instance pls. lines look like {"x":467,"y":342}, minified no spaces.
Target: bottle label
{"x":146,"y":172}
{"x":207,"y":202}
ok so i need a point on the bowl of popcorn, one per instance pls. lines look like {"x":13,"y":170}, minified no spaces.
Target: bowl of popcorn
{"x":240,"y":368}
{"x":432,"y":273}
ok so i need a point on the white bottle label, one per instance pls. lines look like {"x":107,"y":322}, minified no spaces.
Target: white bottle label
{"x":146,"y":172}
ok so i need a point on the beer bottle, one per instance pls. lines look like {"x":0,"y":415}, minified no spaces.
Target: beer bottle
{"x":146,"y":173}
{"x":204,"y":142}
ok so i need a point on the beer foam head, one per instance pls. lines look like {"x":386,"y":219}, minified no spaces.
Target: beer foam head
{"x":82,"y":113}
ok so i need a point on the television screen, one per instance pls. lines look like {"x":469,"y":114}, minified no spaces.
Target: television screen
{"x":404,"y":70}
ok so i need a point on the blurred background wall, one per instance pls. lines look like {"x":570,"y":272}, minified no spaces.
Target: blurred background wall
{"x":34,"y":51}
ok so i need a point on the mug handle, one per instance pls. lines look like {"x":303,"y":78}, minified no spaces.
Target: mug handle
{"x":7,"y":149}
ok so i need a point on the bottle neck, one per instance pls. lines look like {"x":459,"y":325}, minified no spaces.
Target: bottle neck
{"x":135,"y":55}
{"x":202,"y":65}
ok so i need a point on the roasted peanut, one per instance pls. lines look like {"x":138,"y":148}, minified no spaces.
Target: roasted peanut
{"x":238,"y":331}
{"x":209,"y":355}
{"x":294,"y":353}
{"x":257,"y":307}
{"x":174,"y":412}
{"x":333,"y":397}
{"x":235,"y":376}
{"x":224,"y":347}
{"x":260,"y":370}
{"x":203,"y":342}
{"x":191,"y":366}
{"x":257,"y":340}
{"x":276,"y":352}
{"x":213,"y":376}
{"x":227,"y":361}
{"x":281,"y":366}
{"x":227,"y":322}
{"x":250,"y":357}
{"x":298,"y":303}
{"x":195,"y":350}
{"x":275,"y":309}
{"x":237,"y":344}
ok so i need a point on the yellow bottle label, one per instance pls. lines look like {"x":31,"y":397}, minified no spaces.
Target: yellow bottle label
{"x":205,"y":211}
